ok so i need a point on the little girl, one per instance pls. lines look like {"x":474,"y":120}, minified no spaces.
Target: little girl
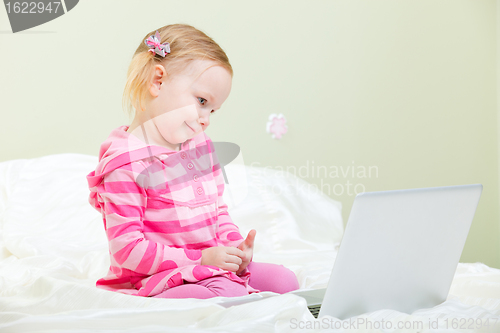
{"x":159,"y":186}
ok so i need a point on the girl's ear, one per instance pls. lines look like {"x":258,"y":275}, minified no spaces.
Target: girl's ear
{"x":159,"y":76}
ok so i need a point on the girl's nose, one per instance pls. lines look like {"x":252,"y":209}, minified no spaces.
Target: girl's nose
{"x":204,"y":121}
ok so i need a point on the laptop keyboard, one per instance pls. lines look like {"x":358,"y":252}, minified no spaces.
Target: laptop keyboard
{"x":314,"y":309}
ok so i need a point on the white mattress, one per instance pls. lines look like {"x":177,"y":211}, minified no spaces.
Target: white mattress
{"x":53,"y":249}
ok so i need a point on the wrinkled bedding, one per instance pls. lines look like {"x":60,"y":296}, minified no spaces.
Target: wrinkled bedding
{"x":53,"y":249}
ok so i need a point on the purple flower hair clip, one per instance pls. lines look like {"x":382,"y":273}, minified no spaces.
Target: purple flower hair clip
{"x":155,"y":46}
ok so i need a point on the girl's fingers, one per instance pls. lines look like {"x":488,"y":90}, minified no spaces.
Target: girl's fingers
{"x":234,"y":260}
{"x":251,"y":237}
{"x":231,"y":267}
{"x":252,"y":233}
{"x":235,"y":251}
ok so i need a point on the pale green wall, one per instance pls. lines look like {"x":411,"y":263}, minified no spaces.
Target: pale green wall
{"x":408,"y":87}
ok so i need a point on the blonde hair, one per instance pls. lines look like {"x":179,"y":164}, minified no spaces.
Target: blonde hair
{"x":186,"y":44}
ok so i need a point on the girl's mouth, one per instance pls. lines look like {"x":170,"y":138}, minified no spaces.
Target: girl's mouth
{"x":189,"y":127}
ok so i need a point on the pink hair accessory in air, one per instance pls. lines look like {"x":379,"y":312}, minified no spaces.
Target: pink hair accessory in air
{"x":155,"y":45}
{"x":276,"y":125}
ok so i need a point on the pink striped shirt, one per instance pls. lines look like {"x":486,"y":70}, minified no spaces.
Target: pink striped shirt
{"x":160,"y":209}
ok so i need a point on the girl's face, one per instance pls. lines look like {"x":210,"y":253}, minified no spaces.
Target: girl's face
{"x":181,"y":105}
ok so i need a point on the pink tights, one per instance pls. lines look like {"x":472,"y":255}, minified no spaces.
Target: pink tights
{"x":264,"y":276}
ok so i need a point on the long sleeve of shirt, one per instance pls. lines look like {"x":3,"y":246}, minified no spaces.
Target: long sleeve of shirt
{"x":229,"y":233}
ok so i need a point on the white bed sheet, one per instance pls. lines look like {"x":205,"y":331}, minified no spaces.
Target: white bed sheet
{"x":53,"y":249}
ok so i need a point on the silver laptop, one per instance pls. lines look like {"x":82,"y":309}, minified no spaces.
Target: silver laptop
{"x":399,"y":251}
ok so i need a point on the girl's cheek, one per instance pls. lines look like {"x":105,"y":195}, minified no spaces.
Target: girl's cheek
{"x":199,"y":113}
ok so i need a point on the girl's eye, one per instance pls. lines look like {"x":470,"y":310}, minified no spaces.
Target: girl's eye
{"x":204,"y":100}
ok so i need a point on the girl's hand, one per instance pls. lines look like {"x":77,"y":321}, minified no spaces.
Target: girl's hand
{"x":225,"y":257}
{"x":247,"y":247}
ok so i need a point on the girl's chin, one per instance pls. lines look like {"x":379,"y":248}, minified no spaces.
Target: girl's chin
{"x":178,"y":140}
